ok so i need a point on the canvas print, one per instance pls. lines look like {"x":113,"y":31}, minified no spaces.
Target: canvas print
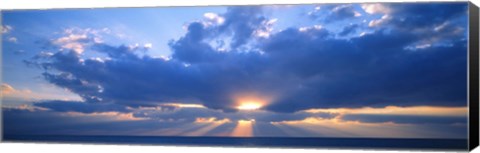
{"x":390,"y":75}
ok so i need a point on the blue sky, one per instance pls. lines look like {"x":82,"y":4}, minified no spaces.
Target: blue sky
{"x":331,"y":70}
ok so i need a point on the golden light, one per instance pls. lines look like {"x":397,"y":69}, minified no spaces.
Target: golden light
{"x":249,"y":106}
{"x":244,"y":128}
{"x":397,"y":110}
{"x":210,"y":124}
{"x":184,"y":105}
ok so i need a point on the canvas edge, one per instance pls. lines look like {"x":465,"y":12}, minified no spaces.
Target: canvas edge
{"x":473,"y":86}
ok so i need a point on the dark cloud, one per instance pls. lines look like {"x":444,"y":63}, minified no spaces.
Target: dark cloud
{"x":352,"y":28}
{"x":373,"y":70}
{"x":405,"y":119}
{"x":424,"y":15}
{"x":240,"y":23}
{"x":191,"y":114}
{"x":296,"y":69}
{"x":192,"y":48}
{"x":82,"y":107}
{"x":437,"y":24}
{"x":21,"y":122}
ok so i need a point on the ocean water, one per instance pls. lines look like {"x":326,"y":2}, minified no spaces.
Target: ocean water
{"x":415,"y":144}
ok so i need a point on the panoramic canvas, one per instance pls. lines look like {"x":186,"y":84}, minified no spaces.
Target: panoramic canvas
{"x":390,"y":75}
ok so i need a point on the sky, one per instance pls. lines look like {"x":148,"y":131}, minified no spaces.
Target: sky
{"x":386,"y":70}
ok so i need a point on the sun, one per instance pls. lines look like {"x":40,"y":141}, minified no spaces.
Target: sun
{"x":249,"y":106}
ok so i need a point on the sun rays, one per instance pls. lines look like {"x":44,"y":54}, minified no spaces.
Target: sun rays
{"x":209,"y":125}
{"x":251,"y":121}
{"x":244,"y":128}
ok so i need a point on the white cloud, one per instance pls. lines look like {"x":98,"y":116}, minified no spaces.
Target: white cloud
{"x":363,"y":33}
{"x":315,"y":27}
{"x":12,"y":39}
{"x":357,"y":14}
{"x":6,"y":29}
{"x":376,"y":8}
{"x":76,"y":39}
{"x":72,"y":40}
{"x":419,"y":46}
{"x":213,"y":19}
{"x":380,"y":21}
{"x":143,"y":47}
{"x":267,"y":28}
{"x":133,"y":47}
{"x":44,"y":54}
{"x":148,"y":45}
{"x":423,"y":46}
{"x":441,"y":27}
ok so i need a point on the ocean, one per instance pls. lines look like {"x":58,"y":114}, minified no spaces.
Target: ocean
{"x":284,"y":142}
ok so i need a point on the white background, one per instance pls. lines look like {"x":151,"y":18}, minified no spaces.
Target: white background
{"x":84,"y":148}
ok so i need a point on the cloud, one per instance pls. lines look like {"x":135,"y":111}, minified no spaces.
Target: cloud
{"x":405,"y":119}
{"x":234,"y":28}
{"x":8,"y":92}
{"x":43,"y":55}
{"x":241,"y":23}
{"x":148,"y":45}
{"x":12,"y":39}
{"x":288,"y":71}
{"x":191,"y":48}
{"x":266,"y":29}
{"x":213,"y":19}
{"x":21,"y":121}
{"x":7,"y":89}
{"x":349,"y":29}
{"x":376,"y":8}
{"x":333,"y":13}
{"x":77,"y":39}
{"x":357,"y":69}
{"x":173,"y":113}
{"x":82,"y":107}
{"x":13,"y":96}
{"x":395,"y":110}
{"x":318,"y":127}
{"x":405,"y":18}
{"x":18,"y":52}
{"x":394,"y":81}
{"x":6,"y":29}
{"x":380,"y":21}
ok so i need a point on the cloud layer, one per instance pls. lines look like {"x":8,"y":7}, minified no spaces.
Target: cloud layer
{"x":291,"y":70}
{"x":407,"y":55}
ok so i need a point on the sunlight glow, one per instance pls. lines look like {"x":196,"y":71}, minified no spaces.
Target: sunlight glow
{"x":180,"y":105}
{"x":106,"y":116}
{"x":209,"y":124}
{"x":249,"y":106}
{"x":244,"y":128}
{"x":337,"y":128}
{"x":212,"y":120}
{"x":396,"y":110}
